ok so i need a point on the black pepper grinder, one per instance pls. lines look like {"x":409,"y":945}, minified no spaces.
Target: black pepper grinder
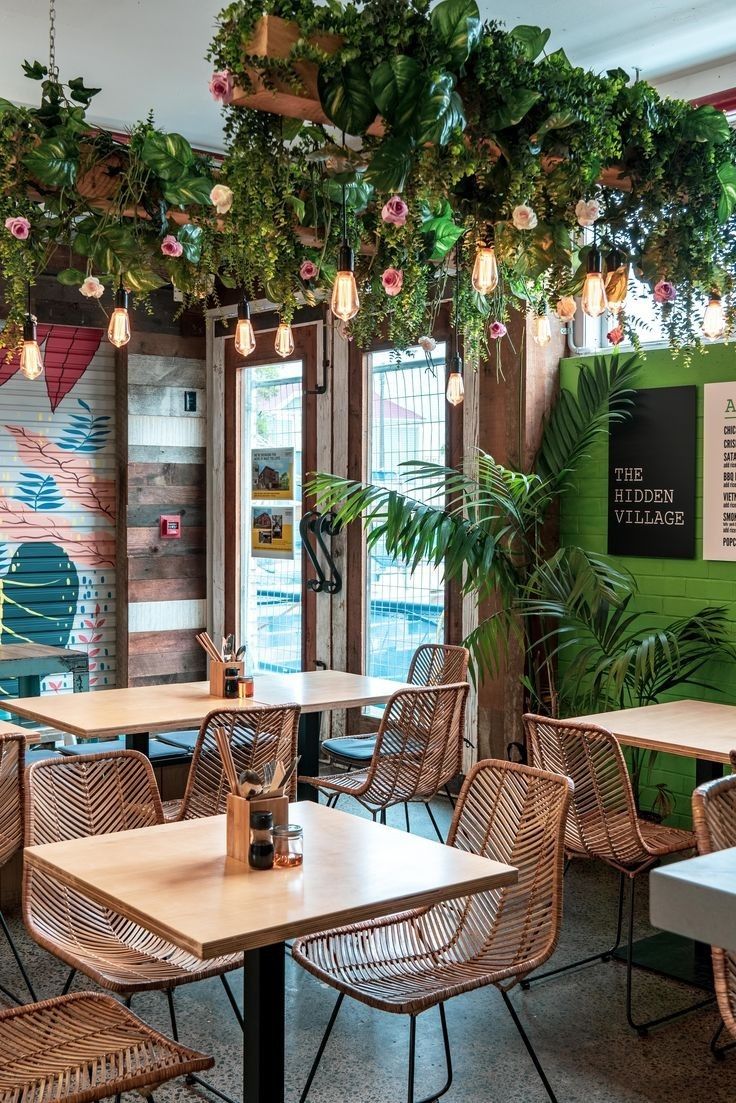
{"x":231,"y":681}
{"x":260,"y":854}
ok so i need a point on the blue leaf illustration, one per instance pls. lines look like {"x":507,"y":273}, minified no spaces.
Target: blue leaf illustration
{"x":39,"y":492}
{"x":85,"y":433}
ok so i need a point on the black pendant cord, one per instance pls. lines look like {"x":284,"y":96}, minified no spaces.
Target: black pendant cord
{"x":28,"y":293}
{"x":457,"y":362}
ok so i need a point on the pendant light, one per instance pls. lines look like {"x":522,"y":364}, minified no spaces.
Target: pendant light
{"x":455,"y":392}
{"x":118,"y":330}
{"x":345,"y":302}
{"x":714,"y":321}
{"x":284,"y":341}
{"x":541,"y":329}
{"x":245,"y":338}
{"x":485,"y":268}
{"x":31,"y":360}
{"x":594,"y":302}
{"x":617,"y":280}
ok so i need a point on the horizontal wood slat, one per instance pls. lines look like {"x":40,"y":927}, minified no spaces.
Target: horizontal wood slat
{"x":169,"y":566}
{"x":150,"y":589}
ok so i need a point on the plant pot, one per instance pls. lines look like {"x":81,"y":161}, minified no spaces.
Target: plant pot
{"x":100,"y":178}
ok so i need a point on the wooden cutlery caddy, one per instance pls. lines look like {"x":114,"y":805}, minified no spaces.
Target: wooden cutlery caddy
{"x":238,"y":820}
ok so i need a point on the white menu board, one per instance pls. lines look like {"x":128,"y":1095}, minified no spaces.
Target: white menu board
{"x":719,"y":471}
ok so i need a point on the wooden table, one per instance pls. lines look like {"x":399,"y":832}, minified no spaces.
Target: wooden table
{"x":697,"y":898}
{"x":30,"y":662}
{"x":176,"y":881}
{"x":141,"y":710}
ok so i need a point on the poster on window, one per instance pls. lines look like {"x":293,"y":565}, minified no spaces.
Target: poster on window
{"x":272,"y":533}
{"x":719,"y":471}
{"x":273,"y":474}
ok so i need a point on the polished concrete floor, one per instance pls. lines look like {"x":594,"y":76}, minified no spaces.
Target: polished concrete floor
{"x":576,"y":1023}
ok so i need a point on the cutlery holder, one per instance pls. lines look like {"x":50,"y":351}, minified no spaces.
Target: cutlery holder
{"x":238,"y":821}
{"x":217,"y":676}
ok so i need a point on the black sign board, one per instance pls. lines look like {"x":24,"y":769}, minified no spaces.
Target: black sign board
{"x":651,"y":476}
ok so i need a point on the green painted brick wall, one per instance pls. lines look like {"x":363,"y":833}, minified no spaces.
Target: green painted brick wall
{"x":667,"y":588}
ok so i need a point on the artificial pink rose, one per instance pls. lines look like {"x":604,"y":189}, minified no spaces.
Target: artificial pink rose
{"x":395,"y":211}
{"x":566,"y":308}
{"x":587,"y":211}
{"x":221,"y":198}
{"x":308,"y":270}
{"x":92,"y":288}
{"x":615,"y":336}
{"x":392,"y":280}
{"x":665,"y":292}
{"x":19,"y":227}
{"x":427,"y":344}
{"x":170,"y":247}
{"x":221,"y":86}
{"x":523,"y":217}
{"x":496,"y":330}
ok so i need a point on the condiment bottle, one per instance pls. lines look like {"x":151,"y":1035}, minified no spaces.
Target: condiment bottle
{"x":288,"y":842}
{"x":260,"y":853}
{"x":230,"y":681}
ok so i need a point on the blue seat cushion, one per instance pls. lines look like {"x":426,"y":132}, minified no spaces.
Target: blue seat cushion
{"x":158,"y":751}
{"x":357,"y":750}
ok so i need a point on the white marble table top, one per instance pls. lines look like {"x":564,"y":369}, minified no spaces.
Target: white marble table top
{"x":697,"y":898}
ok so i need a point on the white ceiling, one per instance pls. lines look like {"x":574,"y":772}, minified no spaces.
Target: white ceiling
{"x":149,"y":53}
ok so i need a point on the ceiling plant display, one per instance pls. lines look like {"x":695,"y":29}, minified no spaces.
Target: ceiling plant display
{"x":373,"y":150}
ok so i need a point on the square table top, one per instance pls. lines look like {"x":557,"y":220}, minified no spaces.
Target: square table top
{"x":182,"y":705}
{"x":696,"y":729}
{"x":177,"y":881}
{"x":697,"y":898}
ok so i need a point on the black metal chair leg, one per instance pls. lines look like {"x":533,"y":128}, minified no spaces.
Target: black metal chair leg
{"x":412,"y":1056}
{"x":172,"y":1014}
{"x":18,"y":959}
{"x":406,"y":816}
{"x":435,"y":825}
{"x":68,"y":982}
{"x":449,"y":796}
{"x":448,"y":1060}
{"x":644,"y":1028}
{"x":233,"y":1001}
{"x":383,"y":816}
{"x":322,"y":1045}
{"x":605,"y":956}
{"x":529,"y":1046}
{"x":128,"y":1000}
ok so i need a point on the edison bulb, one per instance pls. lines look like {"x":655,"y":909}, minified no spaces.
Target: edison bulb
{"x":345,"y":302}
{"x":118,"y":331}
{"x":617,"y":281}
{"x":485,"y":270}
{"x":245,"y":338}
{"x":455,"y":388}
{"x":714,"y":320}
{"x":31,"y":360}
{"x":284,"y":342}
{"x":594,"y":300}
{"x":541,"y":330}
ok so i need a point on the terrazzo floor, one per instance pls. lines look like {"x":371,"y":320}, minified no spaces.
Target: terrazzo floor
{"x":576,"y":1022}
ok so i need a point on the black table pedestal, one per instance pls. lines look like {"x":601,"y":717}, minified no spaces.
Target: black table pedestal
{"x":263,"y":1037}
{"x":309,"y":728}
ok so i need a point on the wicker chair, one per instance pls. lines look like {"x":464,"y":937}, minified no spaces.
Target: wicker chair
{"x":603,"y":824}
{"x":72,"y":798}
{"x":257,"y":736}
{"x":714,"y":818}
{"x":409,"y":963}
{"x":76,"y":1049}
{"x":12,"y":767}
{"x":432,"y":664}
{"x":418,"y":750}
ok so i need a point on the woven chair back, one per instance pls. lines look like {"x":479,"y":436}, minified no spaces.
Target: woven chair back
{"x":12,"y":763}
{"x":438,"y":664}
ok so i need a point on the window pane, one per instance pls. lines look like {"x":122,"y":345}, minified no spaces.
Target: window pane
{"x":271,"y":598}
{"x":406,"y":422}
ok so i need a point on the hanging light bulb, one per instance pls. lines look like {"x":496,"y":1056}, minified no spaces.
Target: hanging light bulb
{"x":31,"y":360}
{"x":714,"y":321}
{"x":541,"y":330}
{"x":455,"y":386}
{"x":485,"y":268}
{"x":118,"y":330}
{"x":245,"y":338}
{"x":617,"y":280}
{"x":595,"y":302}
{"x":284,"y":342}
{"x":345,"y":302}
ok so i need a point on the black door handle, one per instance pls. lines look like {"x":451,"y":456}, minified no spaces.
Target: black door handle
{"x":307,"y":525}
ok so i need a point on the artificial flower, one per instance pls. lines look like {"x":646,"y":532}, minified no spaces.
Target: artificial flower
{"x":221,"y":198}
{"x":587,"y":211}
{"x":615,"y":336}
{"x":665,"y":292}
{"x":170,"y":247}
{"x":427,"y":344}
{"x":496,"y":330}
{"x":566,"y":308}
{"x":92,"y":288}
{"x":523,"y":217}
{"x":221,"y":86}
{"x":392,"y":280}
{"x":395,"y":211}
{"x":308,"y":270}
{"x":19,"y":227}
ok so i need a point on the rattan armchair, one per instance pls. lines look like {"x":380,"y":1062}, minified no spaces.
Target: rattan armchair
{"x":432,"y":664}
{"x":257,"y":736}
{"x":84,"y":1047}
{"x":603,"y":824}
{"x":12,"y":766}
{"x":72,"y":798}
{"x":409,"y":963}
{"x":418,"y":750}
{"x":714,"y":818}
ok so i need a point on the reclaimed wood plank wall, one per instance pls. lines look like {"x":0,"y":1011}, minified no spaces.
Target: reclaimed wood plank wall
{"x":165,"y":473}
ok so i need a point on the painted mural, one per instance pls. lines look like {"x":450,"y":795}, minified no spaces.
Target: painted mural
{"x":57,"y":503}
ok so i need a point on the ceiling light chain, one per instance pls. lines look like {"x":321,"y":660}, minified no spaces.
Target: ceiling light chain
{"x":53,"y":68}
